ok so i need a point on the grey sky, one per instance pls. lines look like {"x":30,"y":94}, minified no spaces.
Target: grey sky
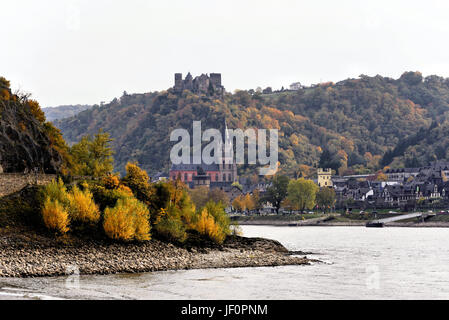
{"x":69,"y":52}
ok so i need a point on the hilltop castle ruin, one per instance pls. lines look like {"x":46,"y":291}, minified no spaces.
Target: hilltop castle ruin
{"x":203,"y":84}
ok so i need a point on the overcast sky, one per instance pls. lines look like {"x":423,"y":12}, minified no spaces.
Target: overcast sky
{"x":70,"y":52}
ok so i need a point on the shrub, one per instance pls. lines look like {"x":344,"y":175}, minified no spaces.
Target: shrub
{"x":4,"y":94}
{"x":36,"y":110}
{"x":128,"y":220}
{"x":4,"y":83}
{"x":108,"y":197}
{"x":160,"y":201}
{"x":206,"y":225}
{"x":111,"y":181}
{"x":171,"y":227}
{"x":82,"y":207}
{"x":56,"y":191}
{"x":55,"y":216}
{"x":217,"y":210}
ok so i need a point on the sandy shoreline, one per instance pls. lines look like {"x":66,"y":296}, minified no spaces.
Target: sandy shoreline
{"x":20,"y":257}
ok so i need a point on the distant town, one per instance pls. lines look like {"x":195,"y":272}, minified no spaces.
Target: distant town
{"x":403,"y":188}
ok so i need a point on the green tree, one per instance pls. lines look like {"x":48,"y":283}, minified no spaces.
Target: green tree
{"x":101,"y":153}
{"x":325,"y":198}
{"x":93,"y":156}
{"x":302,"y":193}
{"x":277,"y":191}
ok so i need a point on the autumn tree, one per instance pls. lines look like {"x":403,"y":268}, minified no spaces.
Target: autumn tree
{"x":382,"y":176}
{"x":256,"y":199}
{"x":138,"y":181}
{"x":249,"y":202}
{"x":239,"y":204}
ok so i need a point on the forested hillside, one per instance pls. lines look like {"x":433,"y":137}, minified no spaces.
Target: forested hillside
{"x":352,"y":126}
{"x":61,"y":112}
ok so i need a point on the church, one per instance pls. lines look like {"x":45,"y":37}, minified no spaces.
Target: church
{"x":219,"y":174}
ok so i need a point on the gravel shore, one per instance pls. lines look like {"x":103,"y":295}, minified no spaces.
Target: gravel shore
{"x":23,"y":255}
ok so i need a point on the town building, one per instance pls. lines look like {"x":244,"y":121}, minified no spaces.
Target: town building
{"x":324,"y":177}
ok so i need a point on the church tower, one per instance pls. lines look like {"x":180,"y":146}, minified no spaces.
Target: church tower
{"x":228,"y":167}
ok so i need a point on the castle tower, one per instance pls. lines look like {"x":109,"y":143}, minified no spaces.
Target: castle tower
{"x":188,"y":82}
{"x":325,"y":177}
{"x":178,"y":82}
{"x":215,"y":79}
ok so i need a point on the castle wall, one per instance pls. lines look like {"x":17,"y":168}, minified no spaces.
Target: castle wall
{"x":199,"y":84}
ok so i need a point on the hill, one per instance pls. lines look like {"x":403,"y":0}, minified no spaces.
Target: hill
{"x":349,"y":126}
{"x":27,"y":141}
{"x":61,"y":112}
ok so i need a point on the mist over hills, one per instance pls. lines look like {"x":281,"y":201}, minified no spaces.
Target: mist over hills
{"x":353,"y":126}
{"x":61,"y":112}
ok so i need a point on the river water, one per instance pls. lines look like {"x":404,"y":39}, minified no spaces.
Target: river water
{"x":358,"y":263}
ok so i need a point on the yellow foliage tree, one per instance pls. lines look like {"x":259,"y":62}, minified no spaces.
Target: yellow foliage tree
{"x":239,"y":204}
{"x":128,"y":220}
{"x":207,"y":226}
{"x":138,"y":181}
{"x":55,"y":216}
{"x":36,"y":110}
{"x":56,"y":190}
{"x":111,"y":181}
{"x":82,"y":207}
{"x":249,"y":202}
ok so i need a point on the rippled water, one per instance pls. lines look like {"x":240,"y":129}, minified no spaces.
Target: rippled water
{"x":360,"y":263}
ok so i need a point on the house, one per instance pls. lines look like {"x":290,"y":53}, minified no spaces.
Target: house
{"x":402,"y":174}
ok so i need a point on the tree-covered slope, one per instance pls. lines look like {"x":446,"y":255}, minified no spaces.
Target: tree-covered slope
{"x":350,"y":125}
{"x":27,"y":141}
{"x":61,"y":112}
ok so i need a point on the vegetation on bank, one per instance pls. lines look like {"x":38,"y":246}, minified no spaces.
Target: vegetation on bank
{"x":131,"y":209}
{"x":103,"y":204}
{"x":288,"y":194}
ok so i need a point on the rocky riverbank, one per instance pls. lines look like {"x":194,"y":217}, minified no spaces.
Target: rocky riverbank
{"x":31,"y":255}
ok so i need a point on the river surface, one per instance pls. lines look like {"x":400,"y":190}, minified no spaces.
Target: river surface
{"x":358,"y":263}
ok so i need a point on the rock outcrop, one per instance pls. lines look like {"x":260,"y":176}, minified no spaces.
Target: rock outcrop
{"x":25,"y":144}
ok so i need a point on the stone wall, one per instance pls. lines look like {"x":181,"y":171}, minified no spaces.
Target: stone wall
{"x":13,"y":182}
